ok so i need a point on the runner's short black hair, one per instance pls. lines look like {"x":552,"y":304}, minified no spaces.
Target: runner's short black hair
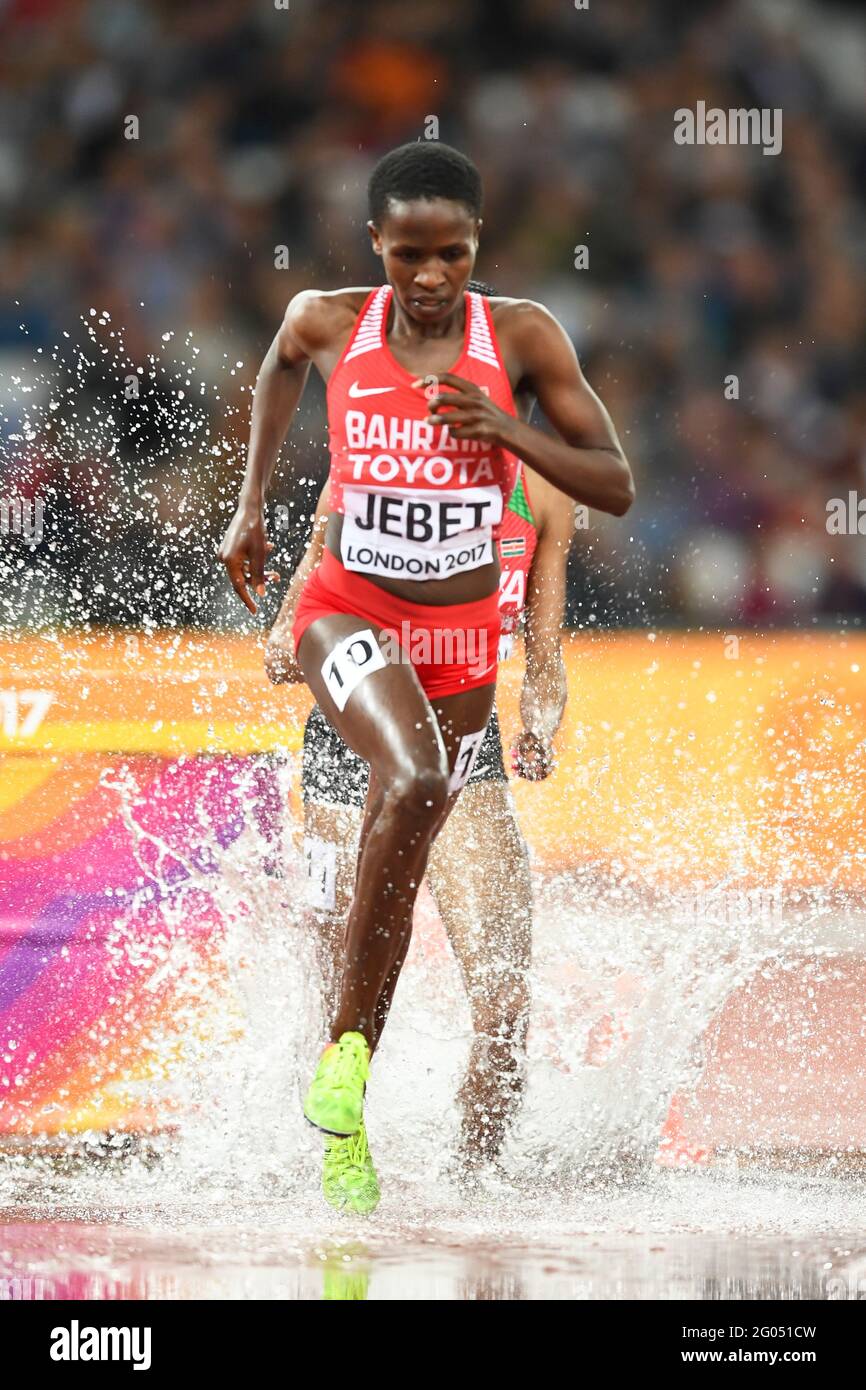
{"x":423,"y":169}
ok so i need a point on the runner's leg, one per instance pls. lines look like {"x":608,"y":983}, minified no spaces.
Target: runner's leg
{"x":335,"y":829}
{"x":388,"y":721}
{"x":334,"y":783}
{"x":444,"y":715}
{"x":479,"y":873}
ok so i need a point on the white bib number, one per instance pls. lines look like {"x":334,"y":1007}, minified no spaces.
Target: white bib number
{"x":466,"y":755}
{"x":320,"y":858}
{"x":349,"y":662}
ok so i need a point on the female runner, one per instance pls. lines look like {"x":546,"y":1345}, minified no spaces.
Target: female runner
{"x":478,"y":868}
{"x":418,"y":484}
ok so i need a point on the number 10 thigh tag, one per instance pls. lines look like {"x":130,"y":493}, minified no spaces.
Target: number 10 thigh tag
{"x":466,"y":755}
{"x":349,"y":662}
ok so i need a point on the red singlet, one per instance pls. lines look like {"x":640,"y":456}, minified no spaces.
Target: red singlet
{"x":418,"y":504}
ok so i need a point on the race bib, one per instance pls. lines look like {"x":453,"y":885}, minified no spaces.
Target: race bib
{"x":419,"y":535}
{"x":349,"y":662}
{"x":320,"y":858}
{"x":465,"y":761}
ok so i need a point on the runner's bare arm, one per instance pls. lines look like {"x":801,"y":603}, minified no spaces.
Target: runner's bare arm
{"x":280,"y":663}
{"x":279,"y":387}
{"x":587,"y":462}
{"x":544,"y":691}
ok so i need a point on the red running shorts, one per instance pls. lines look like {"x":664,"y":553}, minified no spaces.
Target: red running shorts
{"x":452,"y":647}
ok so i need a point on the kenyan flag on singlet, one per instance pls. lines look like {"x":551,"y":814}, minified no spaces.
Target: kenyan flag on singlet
{"x":517,"y":537}
{"x":517,"y":540}
{"x":518,"y":503}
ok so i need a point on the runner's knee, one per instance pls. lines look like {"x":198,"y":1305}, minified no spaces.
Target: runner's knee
{"x":419,"y":793}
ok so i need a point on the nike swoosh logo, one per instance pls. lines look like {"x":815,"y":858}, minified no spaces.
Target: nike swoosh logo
{"x":356,"y":390}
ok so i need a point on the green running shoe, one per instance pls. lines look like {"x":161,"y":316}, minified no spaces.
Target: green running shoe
{"x":335,"y":1100}
{"x":348,"y":1176}
{"x":339,"y":1285}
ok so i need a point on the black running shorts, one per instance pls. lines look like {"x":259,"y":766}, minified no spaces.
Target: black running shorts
{"x":332,"y":773}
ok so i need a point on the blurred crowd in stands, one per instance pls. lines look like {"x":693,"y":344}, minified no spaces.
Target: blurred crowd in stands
{"x":720,"y":314}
